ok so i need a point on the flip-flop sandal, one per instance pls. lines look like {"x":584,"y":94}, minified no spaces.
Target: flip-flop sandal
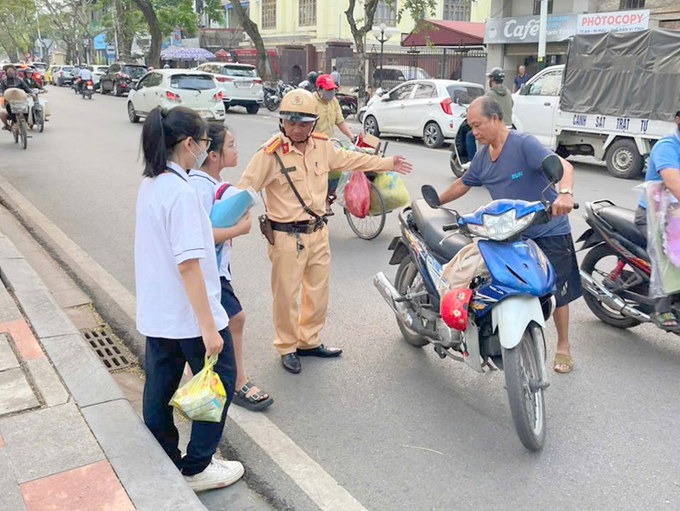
{"x":562,"y":359}
{"x":256,"y":402}
{"x":666,"y":317}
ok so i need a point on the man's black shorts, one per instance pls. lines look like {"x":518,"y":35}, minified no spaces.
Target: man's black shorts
{"x":229,"y":300}
{"x":561,"y":253}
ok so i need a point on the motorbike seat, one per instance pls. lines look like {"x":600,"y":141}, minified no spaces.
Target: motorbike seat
{"x":622,"y":221}
{"x":430,"y":223}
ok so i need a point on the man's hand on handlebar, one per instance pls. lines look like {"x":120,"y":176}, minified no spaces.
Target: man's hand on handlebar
{"x":563,"y":204}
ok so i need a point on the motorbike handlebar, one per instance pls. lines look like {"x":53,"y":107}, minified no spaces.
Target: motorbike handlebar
{"x":450,"y":227}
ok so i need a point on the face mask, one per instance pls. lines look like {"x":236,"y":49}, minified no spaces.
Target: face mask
{"x":328,"y":95}
{"x":200,"y":159}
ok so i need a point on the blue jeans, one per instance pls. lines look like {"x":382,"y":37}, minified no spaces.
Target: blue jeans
{"x":470,"y":145}
{"x":165,"y":360}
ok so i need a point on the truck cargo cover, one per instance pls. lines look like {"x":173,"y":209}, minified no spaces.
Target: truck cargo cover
{"x":624,"y":74}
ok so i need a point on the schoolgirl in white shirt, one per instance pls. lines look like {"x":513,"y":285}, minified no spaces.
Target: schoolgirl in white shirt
{"x":207,"y":181}
{"x":178,"y":292}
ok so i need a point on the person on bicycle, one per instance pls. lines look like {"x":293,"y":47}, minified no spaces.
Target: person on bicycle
{"x":292,"y":167}
{"x":10,"y":81}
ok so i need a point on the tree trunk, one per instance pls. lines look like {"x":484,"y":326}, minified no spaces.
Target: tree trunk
{"x":147,"y":9}
{"x":254,"y":34}
{"x":358,"y":33}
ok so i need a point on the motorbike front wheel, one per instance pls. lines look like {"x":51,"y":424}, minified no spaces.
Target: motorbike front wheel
{"x":23,"y":134}
{"x":39,"y":120}
{"x":523,"y":369}
{"x":272,"y":106}
{"x":594,"y":265}
{"x":409,"y":280}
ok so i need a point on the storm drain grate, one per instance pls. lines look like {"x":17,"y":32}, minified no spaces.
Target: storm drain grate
{"x":104,"y":344}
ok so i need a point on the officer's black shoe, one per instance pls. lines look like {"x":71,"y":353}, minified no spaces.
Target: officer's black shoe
{"x":320,"y":351}
{"x":291,"y":363}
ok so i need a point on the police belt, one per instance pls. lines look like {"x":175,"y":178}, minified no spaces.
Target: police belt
{"x":301,"y":227}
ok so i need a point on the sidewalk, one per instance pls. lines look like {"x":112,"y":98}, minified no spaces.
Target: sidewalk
{"x":70,"y":438}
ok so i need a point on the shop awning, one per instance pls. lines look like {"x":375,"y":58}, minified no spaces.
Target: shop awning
{"x":447,"y":33}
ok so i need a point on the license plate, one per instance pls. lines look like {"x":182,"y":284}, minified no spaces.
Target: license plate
{"x":89,"y":87}
{"x":244,"y":83}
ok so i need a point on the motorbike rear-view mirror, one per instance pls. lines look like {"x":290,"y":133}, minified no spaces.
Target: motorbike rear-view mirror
{"x":552,"y":167}
{"x":431,"y":196}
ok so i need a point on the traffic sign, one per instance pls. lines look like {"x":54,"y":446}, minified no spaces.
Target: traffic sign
{"x":111,"y":51}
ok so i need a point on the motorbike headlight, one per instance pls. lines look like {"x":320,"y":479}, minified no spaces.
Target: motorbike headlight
{"x":501,"y":227}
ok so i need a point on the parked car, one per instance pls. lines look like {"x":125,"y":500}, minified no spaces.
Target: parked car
{"x":97,"y":73}
{"x":169,"y":88}
{"x":396,"y":75}
{"x":63,"y":75}
{"x":49,"y":75}
{"x":241,"y":86}
{"x":429,"y":109}
{"x":40,"y":66}
{"x":121,"y":78}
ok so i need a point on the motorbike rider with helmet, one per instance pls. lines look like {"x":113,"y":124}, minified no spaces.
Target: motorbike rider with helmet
{"x":84,"y":75}
{"x":292,"y":167}
{"x":664,"y":165}
{"x":10,"y":81}
{"x":310,"y":83}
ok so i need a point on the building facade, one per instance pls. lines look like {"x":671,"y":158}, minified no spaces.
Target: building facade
{"x":511,"y":32}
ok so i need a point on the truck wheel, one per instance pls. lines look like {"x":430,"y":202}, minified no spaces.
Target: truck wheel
{"x":624,"y":160}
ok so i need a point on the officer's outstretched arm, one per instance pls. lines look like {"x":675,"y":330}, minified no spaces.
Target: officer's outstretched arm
{"x":339,"y":159}
{"x":256,"y":174}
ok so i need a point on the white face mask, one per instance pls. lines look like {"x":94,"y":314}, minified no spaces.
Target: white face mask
{"x":200,"y":159}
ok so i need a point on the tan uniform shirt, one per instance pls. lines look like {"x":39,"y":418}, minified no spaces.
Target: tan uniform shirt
{"x":330,"y":115}
{"x":309,"y":173}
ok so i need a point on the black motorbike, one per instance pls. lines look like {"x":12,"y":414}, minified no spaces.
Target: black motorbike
{"x":348,"y":103}
{"x":273,"y":96}
{"x":615,"y":273}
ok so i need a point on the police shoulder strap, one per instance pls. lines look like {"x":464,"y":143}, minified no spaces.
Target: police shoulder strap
{"x":306,"y":208}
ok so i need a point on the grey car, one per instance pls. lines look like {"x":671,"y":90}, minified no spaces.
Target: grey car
{"x":63,"y":75}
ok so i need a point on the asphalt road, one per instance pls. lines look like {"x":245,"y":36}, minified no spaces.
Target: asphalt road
{"x":396,"y":426}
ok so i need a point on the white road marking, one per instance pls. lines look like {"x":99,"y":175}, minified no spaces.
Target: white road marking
{"x":302,"y":469}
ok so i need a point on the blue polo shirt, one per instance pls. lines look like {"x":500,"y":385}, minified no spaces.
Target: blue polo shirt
{"x":665,"y":155}
{"x":518,"y":174}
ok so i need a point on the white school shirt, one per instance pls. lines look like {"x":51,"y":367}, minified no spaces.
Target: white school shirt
{"x":206,"y":188}
{"x":172,"y":227}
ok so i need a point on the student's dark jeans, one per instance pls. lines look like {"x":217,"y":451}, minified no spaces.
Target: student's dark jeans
{"x":662,"y":304}
{"x":165,"y":360}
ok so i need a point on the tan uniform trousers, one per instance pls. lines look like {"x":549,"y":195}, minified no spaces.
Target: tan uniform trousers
{"x":293,"y":268}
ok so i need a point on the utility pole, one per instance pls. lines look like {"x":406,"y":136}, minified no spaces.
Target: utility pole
{"x":542,"y":34}
{"x":115,"y":27}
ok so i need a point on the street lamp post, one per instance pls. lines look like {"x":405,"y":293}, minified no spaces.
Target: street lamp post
{"x":382,"y":38}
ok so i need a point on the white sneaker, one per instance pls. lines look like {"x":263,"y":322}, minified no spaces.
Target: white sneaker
{"x":218,"y":474}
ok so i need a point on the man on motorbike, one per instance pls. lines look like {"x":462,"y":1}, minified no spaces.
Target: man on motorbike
{"x":84,"y":75}
{"x":30,"y":80}
{"x":664,"y":165}
{"x":330,"y":113}
{"x":509,"y":165}
{"x":11,"y":81}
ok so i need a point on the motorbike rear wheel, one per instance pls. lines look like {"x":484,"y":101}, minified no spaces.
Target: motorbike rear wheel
{"x":523,"y":368}
{"x":589,"y":266}
{"x":408,"y":280}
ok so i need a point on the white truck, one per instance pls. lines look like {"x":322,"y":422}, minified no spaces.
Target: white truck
{"x":595,"y":127}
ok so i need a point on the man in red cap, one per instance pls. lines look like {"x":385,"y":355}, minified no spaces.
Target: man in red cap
{"x":330,"y":113}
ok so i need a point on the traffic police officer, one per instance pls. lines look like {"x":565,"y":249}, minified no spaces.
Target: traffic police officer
{"x":292,"y":168}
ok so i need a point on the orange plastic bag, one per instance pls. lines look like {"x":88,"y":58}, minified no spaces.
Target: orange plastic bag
{"x":358,"y":195}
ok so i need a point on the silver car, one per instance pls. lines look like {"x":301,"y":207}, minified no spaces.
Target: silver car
{"x":241,"y":86}
{"x":63,"y":75}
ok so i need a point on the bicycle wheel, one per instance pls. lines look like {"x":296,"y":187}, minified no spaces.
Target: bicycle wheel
{"x":23,"y":134}
{"x":371,"y":225}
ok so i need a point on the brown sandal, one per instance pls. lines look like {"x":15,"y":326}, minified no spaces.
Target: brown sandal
{"x":562,"y":359}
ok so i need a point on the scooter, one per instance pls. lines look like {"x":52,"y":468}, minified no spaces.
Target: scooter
{"x":507,"y":307}
{"x":36,"y":110}
{"x":348,"y":103}
{"x":87,"y":89}
{"x":616,"y":271}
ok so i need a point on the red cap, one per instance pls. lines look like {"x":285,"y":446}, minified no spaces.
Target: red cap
{"x":325,"y":82}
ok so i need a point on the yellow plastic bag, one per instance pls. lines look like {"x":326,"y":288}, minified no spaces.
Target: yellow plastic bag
{"x":393,"y":191}
{"x":203,"y":397}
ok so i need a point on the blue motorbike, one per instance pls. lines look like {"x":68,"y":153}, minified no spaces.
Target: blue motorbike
{"x":509,"y":304}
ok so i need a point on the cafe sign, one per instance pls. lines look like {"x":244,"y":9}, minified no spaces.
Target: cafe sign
{"x":524,"y":29}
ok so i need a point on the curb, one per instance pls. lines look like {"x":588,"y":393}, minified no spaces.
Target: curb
{"x":152,"y":481}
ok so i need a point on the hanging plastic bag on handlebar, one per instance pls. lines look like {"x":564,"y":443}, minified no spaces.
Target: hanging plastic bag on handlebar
{"x":340,"y":190}
{"x":663,"y":239}
{"x":392,"y":189}
{"x":357,"y":194}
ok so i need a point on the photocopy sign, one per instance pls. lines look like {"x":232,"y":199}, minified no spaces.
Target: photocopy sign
{"x":625,"y":21}
{"x":524,"y":29}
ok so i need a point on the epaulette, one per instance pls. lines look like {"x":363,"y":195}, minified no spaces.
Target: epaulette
{"x":273,"y":145}
{"x":322,"y":136}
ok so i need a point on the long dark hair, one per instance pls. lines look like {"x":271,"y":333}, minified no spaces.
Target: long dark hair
{"x":163,"y":130}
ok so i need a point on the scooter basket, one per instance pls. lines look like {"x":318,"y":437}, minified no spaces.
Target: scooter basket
{"x":18,"y":107}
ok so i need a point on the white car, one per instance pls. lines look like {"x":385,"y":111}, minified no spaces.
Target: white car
{"x":429,"y":109}
{"x":241,"y":86}
{"x":169,"y":88}
{"x":97,"y":73}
